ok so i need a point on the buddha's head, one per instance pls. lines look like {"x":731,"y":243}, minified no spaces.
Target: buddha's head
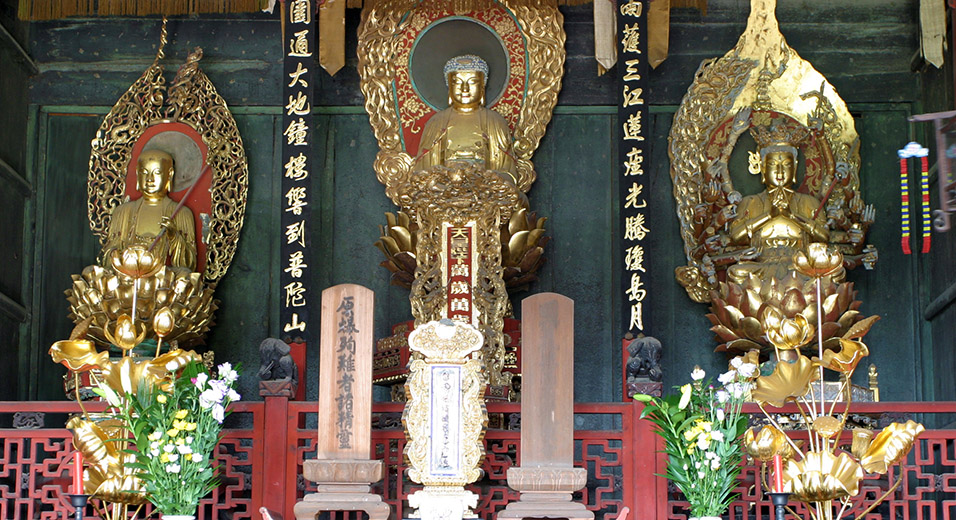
{"x":778,"y":163}
{"x":466,"y":77}
{"x":154,"y":173}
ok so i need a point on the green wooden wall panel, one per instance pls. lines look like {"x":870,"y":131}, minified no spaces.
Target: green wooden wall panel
{"x":576,"y":191}
{"x":64,"y":242}
{"x":247,"y":294}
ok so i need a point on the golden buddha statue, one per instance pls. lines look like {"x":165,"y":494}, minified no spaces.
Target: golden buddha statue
{"x":777,"y":222}
{"x":140,"y":221}
{"x":467,"y":132}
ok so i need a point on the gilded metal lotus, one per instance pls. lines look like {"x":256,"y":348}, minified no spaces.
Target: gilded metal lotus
{"x":768,"y":442}
{"x":742,"y":314}
{"x":819,"y":261}
{"x":78,"y":355}
{"x":163,"y":322}
{"x":171,"y":362}
{"x":827,"y":426}
{"x":125,"y":334}
{"x":786,"y":333}
{"x":821,"y":476}
{"x":136,"y":261}
{"x":123,"y":375}
{"x":890,"y":446}
{"x":103,"y":295}
{"x":862,"y":438}
{"x":522,"y":248}
{"x":108,"y":475}
{"x":846,"y":359}
{"x":789,"y":380}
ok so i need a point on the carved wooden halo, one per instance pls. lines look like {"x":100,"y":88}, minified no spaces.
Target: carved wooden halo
{"x":196,"y":112}
{"x":398,"y":112}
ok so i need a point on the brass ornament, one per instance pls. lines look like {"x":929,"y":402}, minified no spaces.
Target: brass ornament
{"x":108,"y":475}
{"x":763,"y":86}
{"x":766,"y":443}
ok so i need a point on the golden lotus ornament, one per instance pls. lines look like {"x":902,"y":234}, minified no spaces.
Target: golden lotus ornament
{"x":136,"y":262}
{"x":108,"y":475}
{"x":125,"y":334}
{"x":890,"y":446}
{"x":789,"y":380}
{"x":820,"y":476}
{"x":769,"y":441}
{"x":818,"y":261}
{"x":788,"y":334}
{"x":846,"y":359}
{"x":78,"y":355}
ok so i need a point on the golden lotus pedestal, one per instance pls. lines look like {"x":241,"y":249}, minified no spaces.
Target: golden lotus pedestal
{"x":459,"y":266}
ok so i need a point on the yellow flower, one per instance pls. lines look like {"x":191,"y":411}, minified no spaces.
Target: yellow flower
{"x":190,"y":427}
{"x":155,"y":436}
{"x":182,"y":414}
{"x":172,"y":432}
{"x":161,"y":399}
{"x":179,"y":425}
{"x":164,"y":458}
{"x":685,"y":392}
{"x":180,"y":441}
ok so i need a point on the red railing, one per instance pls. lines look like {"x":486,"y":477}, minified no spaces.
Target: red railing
{"x":265,"y":443}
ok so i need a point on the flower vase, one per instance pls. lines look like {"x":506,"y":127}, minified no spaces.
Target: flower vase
{"x":704,"y":518}
{"x":178,"y":517}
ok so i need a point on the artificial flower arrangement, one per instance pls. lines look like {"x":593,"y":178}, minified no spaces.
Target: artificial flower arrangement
{"x":701,"y":426}
{"x":175,"y":427}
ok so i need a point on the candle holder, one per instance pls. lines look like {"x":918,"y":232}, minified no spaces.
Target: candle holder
{"x":779,"y":501}
{"x":79,"y":502}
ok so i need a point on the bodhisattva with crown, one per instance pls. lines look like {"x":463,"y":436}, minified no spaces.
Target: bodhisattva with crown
{"x":776,"y":223}
{"x":154,"y":220}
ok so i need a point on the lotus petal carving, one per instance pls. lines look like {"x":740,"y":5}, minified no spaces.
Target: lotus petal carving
{"x":890,"y":446}
{"x":821,"y":476}
{"x":788,"y":380}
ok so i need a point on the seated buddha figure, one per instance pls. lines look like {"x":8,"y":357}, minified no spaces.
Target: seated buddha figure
{"x":140,"y":221}
{"x":777,"y":222}
{"x":467,"y":132}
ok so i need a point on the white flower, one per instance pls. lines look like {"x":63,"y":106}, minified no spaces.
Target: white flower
{"x":747,"y":370}
{"x":185,"y":450}
{"x":685,"y":467}
{"x":697,"y":374}
{"x":227,"y":373}
{"x":701,"y":474}
{"x":189,"y":440}
{"x":717,"y":435}
{"x":722,"y":396}
{"x":201,"y":380}
{"x":727,"y":377}
{"x":169,"y":448}
{"x":173,"y":457}
{"x":720,"y":414}
{"x":233,"y":395}
{"x":715,"y":464}
{"x":218,"y":413}
{"x":172,"y":366}
{"x":154,"y":452}
{"x":736,"y":362}
{"x":738,"y":390}
{"x":197,"y":457}
{"x":209,"y":397}
{"x":172,"y":468}
{"x":154,"y":445}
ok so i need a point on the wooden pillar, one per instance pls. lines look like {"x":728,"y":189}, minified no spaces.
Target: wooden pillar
{"x":546,"y":476}
{"x":342,"y":469}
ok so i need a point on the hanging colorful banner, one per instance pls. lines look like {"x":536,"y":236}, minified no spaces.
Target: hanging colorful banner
{"x":295,"y":279}
{"x":632,"y":115}
{"x":914,"y":149}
